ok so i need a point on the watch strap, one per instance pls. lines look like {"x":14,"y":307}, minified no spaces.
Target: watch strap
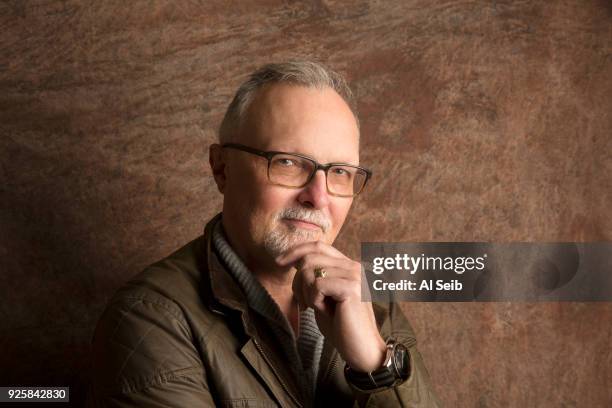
{"x":395,"y":369}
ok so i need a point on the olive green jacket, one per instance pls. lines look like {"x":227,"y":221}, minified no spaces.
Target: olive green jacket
{"x":180,"y":334}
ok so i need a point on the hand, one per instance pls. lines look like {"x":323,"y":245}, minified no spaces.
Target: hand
{"x":336,"y":298}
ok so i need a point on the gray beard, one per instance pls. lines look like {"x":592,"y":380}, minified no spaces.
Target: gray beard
{"x":277,"y":242}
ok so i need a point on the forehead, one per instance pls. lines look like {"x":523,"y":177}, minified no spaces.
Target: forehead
{"x":313,"y":121}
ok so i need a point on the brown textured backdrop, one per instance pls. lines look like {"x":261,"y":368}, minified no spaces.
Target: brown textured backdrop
{"x":490,"y":119}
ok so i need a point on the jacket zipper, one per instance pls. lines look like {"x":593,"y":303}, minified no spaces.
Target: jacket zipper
{"x":276,"y":373}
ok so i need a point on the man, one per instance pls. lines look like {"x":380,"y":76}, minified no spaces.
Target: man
{"x":262,"y":310}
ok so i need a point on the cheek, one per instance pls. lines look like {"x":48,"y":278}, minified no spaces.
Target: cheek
{"x":247,"y":184}
{"x":269,"y":200}
{"x":245,"y":195}
{"x":339,"y":212}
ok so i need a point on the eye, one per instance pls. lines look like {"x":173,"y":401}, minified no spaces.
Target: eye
{"x":339,"y":171}
{"x":284,"y":162}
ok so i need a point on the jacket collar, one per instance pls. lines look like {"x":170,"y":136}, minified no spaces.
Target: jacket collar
{"x":223,"y":295}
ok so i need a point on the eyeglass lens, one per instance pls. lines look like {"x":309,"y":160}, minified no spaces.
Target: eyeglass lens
{"x":294,"y":171}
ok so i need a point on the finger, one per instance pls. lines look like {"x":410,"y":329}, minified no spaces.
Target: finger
{"x":336,"y":289}
{"x":299,"y":251}
{"x":308,"y":277}
{"x":310,"y":262}
{"x":311,"y":285}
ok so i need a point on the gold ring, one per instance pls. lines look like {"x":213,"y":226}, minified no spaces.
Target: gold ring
{"x":320,"y":272}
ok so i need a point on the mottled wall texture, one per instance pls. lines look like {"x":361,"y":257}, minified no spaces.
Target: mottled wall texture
{"x":482,"y":120}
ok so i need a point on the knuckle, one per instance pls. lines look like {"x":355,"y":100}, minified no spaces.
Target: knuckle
{"x":306,"y":262}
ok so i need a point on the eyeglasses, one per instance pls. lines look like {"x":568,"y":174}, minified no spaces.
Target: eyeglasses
{"x":295,"y":171}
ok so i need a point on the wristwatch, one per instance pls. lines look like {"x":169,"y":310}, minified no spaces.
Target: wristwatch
{"x":395,"y":369}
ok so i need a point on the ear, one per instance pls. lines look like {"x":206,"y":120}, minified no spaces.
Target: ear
{"x":217,"y":165}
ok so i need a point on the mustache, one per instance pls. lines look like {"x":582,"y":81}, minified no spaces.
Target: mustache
{"x":302,"y":214}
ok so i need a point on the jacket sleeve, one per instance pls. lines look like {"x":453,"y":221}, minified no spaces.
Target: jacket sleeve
{"x":416,"y":390}
{"x":143,"y":355}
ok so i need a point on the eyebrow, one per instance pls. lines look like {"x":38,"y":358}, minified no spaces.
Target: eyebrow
{"x":312,"y":158}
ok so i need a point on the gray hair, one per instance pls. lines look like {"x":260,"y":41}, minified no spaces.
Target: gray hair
{"x":299,"y":72}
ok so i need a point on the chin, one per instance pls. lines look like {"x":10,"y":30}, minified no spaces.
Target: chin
{"x":277,"y":242}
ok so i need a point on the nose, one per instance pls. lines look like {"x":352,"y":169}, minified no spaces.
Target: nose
{"x":314,"y":194}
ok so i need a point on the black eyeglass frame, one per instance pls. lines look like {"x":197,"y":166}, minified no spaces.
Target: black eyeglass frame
{"x":317,"y":166}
